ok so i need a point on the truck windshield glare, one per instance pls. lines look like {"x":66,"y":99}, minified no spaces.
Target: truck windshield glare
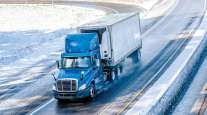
{"x":79,"y":62}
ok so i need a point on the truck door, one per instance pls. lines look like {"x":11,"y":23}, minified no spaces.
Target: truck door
{"x":99,"y":78}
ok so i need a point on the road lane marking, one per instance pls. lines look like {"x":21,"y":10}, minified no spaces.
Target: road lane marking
{"x":42,"y":106}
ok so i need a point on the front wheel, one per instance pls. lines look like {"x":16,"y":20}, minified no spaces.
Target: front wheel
{"x":92,"y":92}
{"x":60,"y":101}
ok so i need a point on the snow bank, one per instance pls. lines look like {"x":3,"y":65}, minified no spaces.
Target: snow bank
{"x":44,"y":17}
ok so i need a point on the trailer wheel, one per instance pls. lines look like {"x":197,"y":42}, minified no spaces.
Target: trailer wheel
{"x":139,"y":55}
{"x":136,"y":56}
{"x":113,"y":75}
{"x":106,"y":76}
{"x":121,"y":69}
{"x":118,"y":71}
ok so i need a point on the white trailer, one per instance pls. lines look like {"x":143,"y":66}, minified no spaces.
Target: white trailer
{"x":119,"y":36}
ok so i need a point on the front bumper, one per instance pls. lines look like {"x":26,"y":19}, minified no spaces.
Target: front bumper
{"x":71,"y":95}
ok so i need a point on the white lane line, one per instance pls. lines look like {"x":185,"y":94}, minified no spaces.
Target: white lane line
{"x":42,"y":106}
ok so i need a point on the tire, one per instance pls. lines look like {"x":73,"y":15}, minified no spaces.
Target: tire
{"x":106,"y":78}
{"x":136,"y":56}
{"x":92,"y":92}
{"x":60,"y":101}
{"x":139,"y":55}
{"x":113,"y":76}
{"x":119,"y":71}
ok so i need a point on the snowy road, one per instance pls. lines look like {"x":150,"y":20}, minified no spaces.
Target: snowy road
{"x":164,"y":41}
{"x":192,"y":98}
{"x":157,"y":49}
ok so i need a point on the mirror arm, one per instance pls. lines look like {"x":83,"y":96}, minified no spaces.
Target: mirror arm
{"x":58,"y":64}
{"x":54,"y":76}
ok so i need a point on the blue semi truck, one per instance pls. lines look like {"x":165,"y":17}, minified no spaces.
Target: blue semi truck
{"x":93,"y":55}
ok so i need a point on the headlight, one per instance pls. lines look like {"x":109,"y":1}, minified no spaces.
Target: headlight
{"x":82,"y":87}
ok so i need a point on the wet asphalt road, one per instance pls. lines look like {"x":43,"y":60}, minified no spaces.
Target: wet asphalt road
{"x":157,"y":48}
{"x":114,"y":99}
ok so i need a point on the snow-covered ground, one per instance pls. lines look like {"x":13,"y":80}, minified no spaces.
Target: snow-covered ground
{"x":44,"y":17}
{"x":32,"y":36}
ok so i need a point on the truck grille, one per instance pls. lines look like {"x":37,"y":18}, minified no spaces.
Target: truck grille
{"x":68,"y":85}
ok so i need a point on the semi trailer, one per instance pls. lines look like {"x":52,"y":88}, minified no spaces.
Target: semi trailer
{"x":93,"y":55}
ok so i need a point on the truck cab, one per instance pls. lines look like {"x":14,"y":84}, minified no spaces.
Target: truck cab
{"x":80,"y":74}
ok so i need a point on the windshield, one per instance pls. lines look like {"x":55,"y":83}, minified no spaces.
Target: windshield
{"x":78,"y":62}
